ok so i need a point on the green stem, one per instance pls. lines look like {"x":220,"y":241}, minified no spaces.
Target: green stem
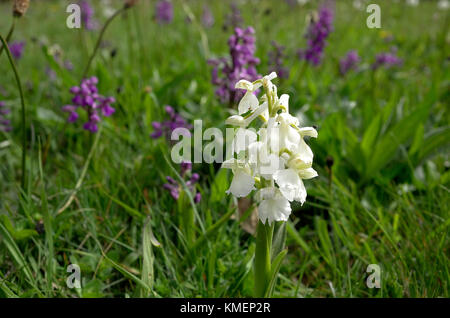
{"x":264,"y":236}
{"x":100,"y":37}
{"x":22,"y":101}
{"x":10,"y":33}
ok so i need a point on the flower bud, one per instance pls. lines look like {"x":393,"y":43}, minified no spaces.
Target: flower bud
{"x":329,"y":161}
{"x":130,"y":3}
{"x":20,"y":7}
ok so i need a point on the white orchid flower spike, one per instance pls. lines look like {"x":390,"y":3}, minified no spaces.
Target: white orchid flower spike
{"x":275,"y":160}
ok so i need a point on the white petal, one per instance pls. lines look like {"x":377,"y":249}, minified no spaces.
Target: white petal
{"x":268,"y":164}
{"x":284,"y":101}
{"x":236,"y":120}
{"x":304,"y":152}
{"x":249,"y":101}
{"x":258,"y":111}
{"x":229,"y":164}
{"x":301,"y":194}
{"x":287,"y":119}
{"x":308,"y":173}
{"x":298,"y":164}
{"x":243,"y":84}
{"x":242,"y":184}
{"x":291,"y":186}
{"x":271,"y":76}
{"x":308,"y":131}
{"x":272,"y":209}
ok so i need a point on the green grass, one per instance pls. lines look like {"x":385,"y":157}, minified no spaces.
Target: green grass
{"x":385,"y":202}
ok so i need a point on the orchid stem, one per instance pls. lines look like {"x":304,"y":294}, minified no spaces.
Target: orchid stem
{"x":264,"y":235}
{"x":10,"y":33}
{"x":22,"y":101}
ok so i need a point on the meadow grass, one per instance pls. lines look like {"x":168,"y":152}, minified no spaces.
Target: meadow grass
{"x":385,"y":199}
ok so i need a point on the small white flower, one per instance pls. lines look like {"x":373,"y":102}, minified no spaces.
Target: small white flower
{"x":443,"y":4}
{"x":289,"y":136}
{"x":308,"y":131}
{"x":249,"y":101}
{"x":413,"y":3}
{"x":273,"y":205}
{"x":243,"y":182}
{"x":291,"y":186}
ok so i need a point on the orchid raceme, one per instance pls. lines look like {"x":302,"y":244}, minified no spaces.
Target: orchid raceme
{"x":274,"y":160}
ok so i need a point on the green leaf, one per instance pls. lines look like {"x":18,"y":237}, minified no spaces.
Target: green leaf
{"x":126,"y":273}
{"x":219,"y":186}
{"x":386,"y":148}
{"x":279,"y":238}
{"x":147,"y":273}
{"x":17,"y":255}
{"x":370,"y":136}
{"x":276,"y":265}
{"x":297,"y":238}
{"x":434,"y":140}
{"x":130,"y":210}
{"x":48,"y":228}
{"x":417,"y":141}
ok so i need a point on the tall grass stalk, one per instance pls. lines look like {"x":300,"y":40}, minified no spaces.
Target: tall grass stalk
{"x":22,"y":101}
{"x":10,"y":33}
{"x":100,"y":37}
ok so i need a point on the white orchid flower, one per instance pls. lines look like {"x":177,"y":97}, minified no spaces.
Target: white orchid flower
{"x":249,"y":101}
{"x":291,"y":186}
{"x":262,"y":161}
{"x":289,"y":136}
{"x":273,"y":205}
{"x":243,"y":182}
{"x":277,"y":155}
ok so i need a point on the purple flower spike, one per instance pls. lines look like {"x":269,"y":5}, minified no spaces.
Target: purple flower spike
{"x":166,"y":127}
{"x":197,"y":197}
{"x":194,"y":178}
{"x":87,"y":15}
{"x":173,"y":190}
{"x":86,"y":97}
{"x":316,"y":36}
{"x":387,"y":60}
{"x":242,"y":65}
{"x":91,"y":126}
{"x":349,"y":62}
{"x":164,"y":11}
{"x":207,"y":17}
{"x":73,"y":117}
{"x":16,"y":49}
{"x":185,"y":166}
{"x":171,"y":180}
{"x":174,"y":187}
